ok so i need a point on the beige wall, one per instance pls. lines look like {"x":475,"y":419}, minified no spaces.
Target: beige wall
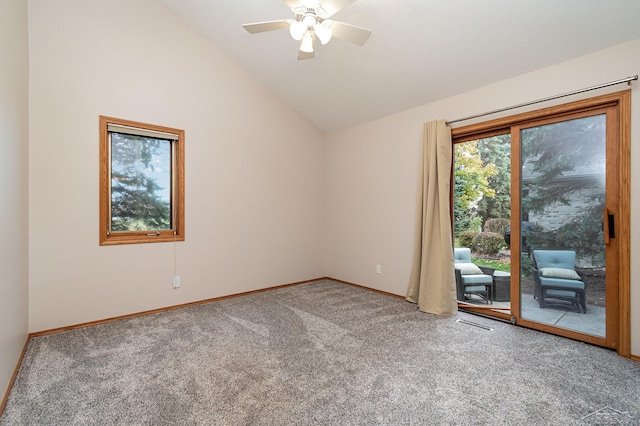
{"x":371,"y":178}
{"x":14,"y":75}
{"x":254,"y":174}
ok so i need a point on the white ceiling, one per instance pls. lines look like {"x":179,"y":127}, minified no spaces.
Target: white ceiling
{"x":419,"y":51}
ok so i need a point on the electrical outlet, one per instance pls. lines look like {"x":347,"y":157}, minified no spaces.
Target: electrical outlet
{"x":176,"y":281}
{"x":378,"y":269}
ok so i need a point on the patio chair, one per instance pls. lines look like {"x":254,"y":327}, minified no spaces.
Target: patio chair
{"x":555,"y":277}
{"x":470,"y":278}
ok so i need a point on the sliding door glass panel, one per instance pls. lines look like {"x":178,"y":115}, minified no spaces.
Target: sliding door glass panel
{"x":562,"y":199}
{"x":482,"y":212}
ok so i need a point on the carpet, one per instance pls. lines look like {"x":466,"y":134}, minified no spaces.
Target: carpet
{"x":319,"y":353}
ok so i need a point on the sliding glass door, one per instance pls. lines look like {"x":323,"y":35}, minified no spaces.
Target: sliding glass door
{"x":563,"y":191}
{"x":538,"y":199}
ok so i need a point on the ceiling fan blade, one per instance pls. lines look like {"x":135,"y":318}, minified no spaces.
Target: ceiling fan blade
{"x":350,"y":33}
{"x":292,"y":4}
{"x":260,"y":27}
{"x":331,"y":7}
{"x":299,"y":7}
{"x":305,"y":55}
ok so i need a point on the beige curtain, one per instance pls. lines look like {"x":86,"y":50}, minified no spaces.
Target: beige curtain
{"x":432,"y":283}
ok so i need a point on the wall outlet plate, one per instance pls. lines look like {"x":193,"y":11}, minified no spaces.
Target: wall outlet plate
{"x":176,"y":281}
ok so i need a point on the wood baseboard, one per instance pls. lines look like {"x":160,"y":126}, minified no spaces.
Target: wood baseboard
{"x":5,"y":398}
{"x":168,"y":308}
{"x":635,"y":358}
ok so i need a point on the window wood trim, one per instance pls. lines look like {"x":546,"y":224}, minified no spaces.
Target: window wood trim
{"x":177,"y":233}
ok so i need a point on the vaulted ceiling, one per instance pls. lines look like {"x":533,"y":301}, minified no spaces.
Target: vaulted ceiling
{"x":419,"y":51}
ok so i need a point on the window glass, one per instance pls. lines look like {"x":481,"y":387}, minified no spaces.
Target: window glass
{"x":140,"y":183}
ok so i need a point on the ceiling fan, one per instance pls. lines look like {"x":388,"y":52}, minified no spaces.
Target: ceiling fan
{"x":311,"y":22}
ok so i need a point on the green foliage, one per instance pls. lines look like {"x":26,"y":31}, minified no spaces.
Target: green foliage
{"x":465,"y":238}
{"x":549,"y":152}
{"x":499,"y":225}
{"x":526,"y":266}
{"x":471,"y":185}
{"x":468,"y":224}
{"x":496,"y":150}
{"x":583,"y":234}
{"x":136,"y":202}
{"x":495,"y":264}
{"x":488,"y":243}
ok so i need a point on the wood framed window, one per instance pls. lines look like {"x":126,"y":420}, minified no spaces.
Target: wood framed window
{"x":141,"y":182}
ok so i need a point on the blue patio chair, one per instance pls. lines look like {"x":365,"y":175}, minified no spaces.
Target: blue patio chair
{"x":471,"y":279}
{"x":555,"y":277}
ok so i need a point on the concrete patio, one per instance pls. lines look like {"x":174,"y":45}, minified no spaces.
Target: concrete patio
{"x":592,"y":322}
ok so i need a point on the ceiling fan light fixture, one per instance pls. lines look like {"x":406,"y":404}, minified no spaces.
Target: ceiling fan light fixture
{"x":323,"y":31}
{"x":297,"y":30}
{"x":307,"y":43}
{"x":309,"y":19}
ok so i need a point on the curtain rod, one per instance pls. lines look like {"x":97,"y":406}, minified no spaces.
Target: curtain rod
{"x":550,"y":98}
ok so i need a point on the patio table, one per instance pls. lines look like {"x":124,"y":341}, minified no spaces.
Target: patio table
{"x":501,"y":286}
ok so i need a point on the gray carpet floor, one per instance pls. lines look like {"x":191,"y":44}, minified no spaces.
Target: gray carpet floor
{"x":319,"y":353}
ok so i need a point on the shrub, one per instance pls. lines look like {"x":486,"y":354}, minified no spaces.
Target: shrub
{"x":465,"y":238}
{"x":498,"y":225}
{"x":583,"y":234}
{"x":488,"y":243}
{"x":526,"y":266}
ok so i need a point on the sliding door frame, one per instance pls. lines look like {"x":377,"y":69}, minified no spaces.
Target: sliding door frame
{"x":620,"y":102}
